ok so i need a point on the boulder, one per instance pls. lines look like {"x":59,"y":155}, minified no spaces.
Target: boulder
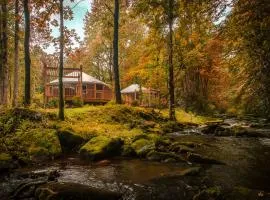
{"x":243,"y":193}
{"x":143,"y":146}
{"x":101,"y":147}
{"x":179,"y":148}
{"x":128,"y":151}
{"x":59,"y":191}
{"x":197,"y":158}
{"x":6,"y":162}
{"x":162,"y":156}
{"x":70,"y":142}
{"x":212,"y":193}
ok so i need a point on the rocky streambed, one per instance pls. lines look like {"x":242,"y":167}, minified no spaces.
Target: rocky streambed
{"x":210,"y":165}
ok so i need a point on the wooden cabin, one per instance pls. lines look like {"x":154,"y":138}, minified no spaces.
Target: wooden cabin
{"x":137,"y":95}
{"x":80,"y":84}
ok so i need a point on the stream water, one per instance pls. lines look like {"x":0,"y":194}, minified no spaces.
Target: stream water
{"x":247,"y":164}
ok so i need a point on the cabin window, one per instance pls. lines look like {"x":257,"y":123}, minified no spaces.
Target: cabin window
{"x":70,"y":91}
{"x":91,"y":86}
{"x":55,"y":91}
{"x":84,"y":88}
{"x":51,"y":90}
{"x":99,"y":87}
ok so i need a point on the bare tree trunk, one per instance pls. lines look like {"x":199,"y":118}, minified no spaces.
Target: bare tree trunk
{"x":1,"y":53}
{"x":61,"y":64}
{"x":5,"y":70}
{"x":171,"y":71}
{"x":27,"y":60}
{"x":16,"y":56}
{"x":115,"y":55}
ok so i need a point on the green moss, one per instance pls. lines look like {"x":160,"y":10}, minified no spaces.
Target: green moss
{"x":101,"y":147}
{"x":39,"y":142}
{"x":4,"y":157}
{"x":140,"y":144}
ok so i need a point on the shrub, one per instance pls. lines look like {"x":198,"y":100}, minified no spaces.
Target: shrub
{"x":77,"y":101}
{"x":53,"y":103}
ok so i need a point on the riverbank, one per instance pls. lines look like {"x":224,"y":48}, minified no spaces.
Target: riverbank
{"x":98,"y":135}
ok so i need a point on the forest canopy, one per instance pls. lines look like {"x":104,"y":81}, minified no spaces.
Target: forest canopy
{"x":207,"y":56}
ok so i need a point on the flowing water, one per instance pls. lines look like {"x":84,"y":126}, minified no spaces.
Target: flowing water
{"x":247,"y":164}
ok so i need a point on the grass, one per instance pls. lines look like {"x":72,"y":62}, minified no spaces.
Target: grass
{"x":190,"y":117}
{"x":34,"y":132}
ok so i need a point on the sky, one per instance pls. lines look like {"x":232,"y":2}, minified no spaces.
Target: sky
{"x":77,"y":23}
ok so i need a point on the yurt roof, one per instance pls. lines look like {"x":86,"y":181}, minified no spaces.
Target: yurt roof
{"x":85,"y":79}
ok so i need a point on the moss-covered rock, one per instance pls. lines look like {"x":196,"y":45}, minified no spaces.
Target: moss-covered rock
{"x":171,"y":126}
{"x":180,"y":148}
{"x":213,"y":193}
{"x":6,"y":162}
{"x":128,"y":151}
{"x":70,"y":142}
{"x":101,"y":147}
{"x":43,"y":143}
{"x":142,"y":146}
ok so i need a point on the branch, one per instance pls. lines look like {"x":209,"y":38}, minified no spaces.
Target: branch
{"x":77,"y":4}
{"x":108,"y":7}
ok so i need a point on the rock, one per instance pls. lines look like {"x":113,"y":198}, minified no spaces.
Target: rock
{"x":197,"y":158}
{"x":59,"y":191}
{"x":179,"y":148}
{"x":70,"y":142}
{"x":162,"y":156}
{"x":242,"y":193}
{"x":142,"y":146}
{"x":171,"y":126}
{"x":128,"y":151}
{"x":162,"y":144}
{"x":193,"y":171}
{"x":170,"y":160}
{"x":216,"y":129}
{"x":101,"y":147}
{"x":212,"y":193}
{"x":147,"y":126}
{"x":6,"y":162}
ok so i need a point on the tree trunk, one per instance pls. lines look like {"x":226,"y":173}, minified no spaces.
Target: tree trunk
{"x":27,"y":60}
{"x":171,"y":73}
{"x":61,"y":64}
{"x":5,"y":70}
{"x":1,"y":53}
{"x":115,"y":55}
{"x":16,"y":56}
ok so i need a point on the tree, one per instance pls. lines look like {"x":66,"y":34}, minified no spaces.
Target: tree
{"x":4,"y":48}
{"x":16,"y":55}
{"x":61,"y":63}
{"x":171,"y":74}
{"x":115,"y":55}
{"x":248,"y":45}
{"x":27,"y":60}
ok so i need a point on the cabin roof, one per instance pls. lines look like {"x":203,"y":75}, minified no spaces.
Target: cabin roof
{"x":132,"y":89}
{"x":85,"y":79}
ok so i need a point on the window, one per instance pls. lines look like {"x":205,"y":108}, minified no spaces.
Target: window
{"x":99,"y":87}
